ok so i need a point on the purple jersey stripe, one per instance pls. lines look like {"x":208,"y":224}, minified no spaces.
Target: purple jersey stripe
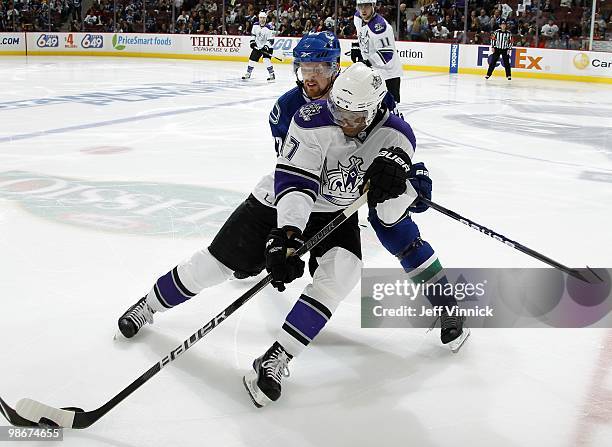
{"x":386,"y":55}
{"x":285,"y":180}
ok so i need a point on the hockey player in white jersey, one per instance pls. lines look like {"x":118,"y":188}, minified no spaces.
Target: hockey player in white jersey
{"x":376,"y":45}
{"x":262,"y":41}
{"x":333,"y":147}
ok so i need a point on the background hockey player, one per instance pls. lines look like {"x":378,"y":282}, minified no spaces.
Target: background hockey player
{"x":376,"y":45}
{"x":326,"y":138}
{"x":262,"y":41}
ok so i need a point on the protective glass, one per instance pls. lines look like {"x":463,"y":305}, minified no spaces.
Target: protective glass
{"x":319,"y":69}
{"x":346,"y":118}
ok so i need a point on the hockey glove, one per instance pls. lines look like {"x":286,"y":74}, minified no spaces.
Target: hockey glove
{"x":356,"y":53}
{"x":387,"y":175}
{"x":267,"y":51}
{"x":253,"y":45}
{"x":283,"y":268}
{"x":420,"y":181}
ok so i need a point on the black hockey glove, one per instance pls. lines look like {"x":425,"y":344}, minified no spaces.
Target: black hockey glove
{"x":283,"y":268}
{"x":387,"y":175}
{"x":356,"y":53}
{"x":267,"y":51}
{"x":420,"y":181}
{"x":253,"y":45}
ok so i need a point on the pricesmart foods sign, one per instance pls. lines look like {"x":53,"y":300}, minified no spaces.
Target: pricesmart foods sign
{"x":122,"y":41}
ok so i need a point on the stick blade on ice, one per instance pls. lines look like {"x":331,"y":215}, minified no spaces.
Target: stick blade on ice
{"x":35,"y":411}
{"x":589,"y":275}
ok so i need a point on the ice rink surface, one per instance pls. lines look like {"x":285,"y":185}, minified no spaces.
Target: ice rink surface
{"x":112,"y":171}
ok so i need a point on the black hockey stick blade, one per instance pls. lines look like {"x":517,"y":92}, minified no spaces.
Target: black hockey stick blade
{"x":68,"y":417}
{"x":587,"y":274}
{"x":13,"y":417}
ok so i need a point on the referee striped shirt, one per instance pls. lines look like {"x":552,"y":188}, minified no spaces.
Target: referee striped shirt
{"x":502,"y":39}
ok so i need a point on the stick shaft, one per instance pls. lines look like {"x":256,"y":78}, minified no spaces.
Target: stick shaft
{"x":503,"y":239}
{"x":85,"y":419}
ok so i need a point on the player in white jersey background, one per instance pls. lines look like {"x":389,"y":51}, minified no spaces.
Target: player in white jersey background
{"x":262,"y":41}
{"x":376,"y":45}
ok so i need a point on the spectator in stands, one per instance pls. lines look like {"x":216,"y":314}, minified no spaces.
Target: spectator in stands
{"x":183,"y":18}
{"x":446,"y":23}
{"x":416,"y":30}
{"x":601,"y":23}
{"x":485,"y":20}
{"x":550,"y":30}
{"x":496,"y":20}
{"x":2,"y":18}
{"x":12,"y":17}
{"x":91,"y":19}
{"x":440,"y":31}
{"x":75,"y":10}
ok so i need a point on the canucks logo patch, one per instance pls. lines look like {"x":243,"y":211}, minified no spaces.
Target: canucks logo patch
{"x":309,"y":110}
{"x":376,"y":82}
{"x":341,"y":186}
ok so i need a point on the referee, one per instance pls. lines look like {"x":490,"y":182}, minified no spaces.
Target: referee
{"x":501,"y":42}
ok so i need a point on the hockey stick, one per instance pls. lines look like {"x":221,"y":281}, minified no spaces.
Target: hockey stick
{"x":28,"y":410}
{"x":585,"y":274}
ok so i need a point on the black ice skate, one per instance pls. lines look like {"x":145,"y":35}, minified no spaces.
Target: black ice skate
{"x":247,"y":75}
{"x":453,"y":333}
{"x":263,"y":382}
{"x":135,"y":318}
{"x":271,"y":78}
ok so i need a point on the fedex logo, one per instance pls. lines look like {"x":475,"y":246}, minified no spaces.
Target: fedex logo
{"x":518,"y":58}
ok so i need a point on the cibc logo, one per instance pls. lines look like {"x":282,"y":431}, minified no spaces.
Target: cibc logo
{"x":47,"y":41}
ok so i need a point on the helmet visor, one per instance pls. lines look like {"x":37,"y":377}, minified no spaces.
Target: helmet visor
{"x":305,"y":70}
{"x":347,"y":118}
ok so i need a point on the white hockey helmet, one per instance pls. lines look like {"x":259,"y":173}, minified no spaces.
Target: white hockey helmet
{"x":356,"y":95}
{"x":263,"y":16}
{"x":366,"y":2}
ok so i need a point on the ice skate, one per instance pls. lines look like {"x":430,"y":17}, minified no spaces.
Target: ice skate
{"x":263,"y":382}
{"x":452,"y":332}
{"x":135,"y":318}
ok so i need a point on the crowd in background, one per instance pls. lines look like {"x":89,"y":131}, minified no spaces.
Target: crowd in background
{"x":549,"y":23}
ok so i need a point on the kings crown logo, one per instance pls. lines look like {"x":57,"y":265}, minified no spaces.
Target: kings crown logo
{"x":341,"y":186}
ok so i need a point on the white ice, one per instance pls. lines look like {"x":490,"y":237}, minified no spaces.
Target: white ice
{"x":543,"y":176}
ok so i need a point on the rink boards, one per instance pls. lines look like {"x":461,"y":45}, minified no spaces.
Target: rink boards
{"x":586,"y":66}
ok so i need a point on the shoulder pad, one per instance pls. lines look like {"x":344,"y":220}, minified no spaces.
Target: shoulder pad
{"x":314,"y":114}
{"x":378,"y":24}
{"x":395,"y":122}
